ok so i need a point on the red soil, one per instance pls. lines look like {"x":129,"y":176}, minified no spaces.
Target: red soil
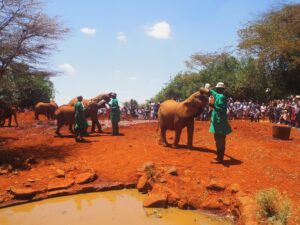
{"x":253,"y":159}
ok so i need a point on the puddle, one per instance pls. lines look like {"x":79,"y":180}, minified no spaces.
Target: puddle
{"x":107,"y":208}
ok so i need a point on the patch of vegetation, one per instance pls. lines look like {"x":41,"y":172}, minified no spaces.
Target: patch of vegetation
{"x":273,"y":207}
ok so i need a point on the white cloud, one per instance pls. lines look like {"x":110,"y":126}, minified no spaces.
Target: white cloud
{"x":87,"y":30}
{"x":67,"y":69}
{"x":121,"y":37}
{"x":160,"y":30}
{"x":131,"y":78}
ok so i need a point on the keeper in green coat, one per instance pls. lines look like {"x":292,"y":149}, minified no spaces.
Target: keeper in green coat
{"x":219,"y":125}
{"x":115,"y":114}
{"x":80,"y":120}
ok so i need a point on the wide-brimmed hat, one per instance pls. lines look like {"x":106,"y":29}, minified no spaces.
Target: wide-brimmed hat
{"x":220,"y":85}
{"x":114,"y":94}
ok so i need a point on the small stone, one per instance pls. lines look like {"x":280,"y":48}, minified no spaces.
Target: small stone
{"x":60,"y":173}
{"x":15,"y":172}
{"x":5,"y":169}
{"x":85,"y":177}
{"x":27,"y":184}
{"x":182,"y":204}
{"x":30,"y":180}
{"x":57,"y":184}
{"x":148,"y":166}
{"x":1,"y":200}
{"x":234,"y":188}
{"x":30,"y":161}
{"x":156,"y":200}
{"x":215,"y":186}
{"x":172,"y":171}
{"x":226,"y":201}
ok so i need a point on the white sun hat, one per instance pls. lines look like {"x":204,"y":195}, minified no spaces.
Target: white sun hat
{"x":207,"y":85}
{"x":220,"y":85}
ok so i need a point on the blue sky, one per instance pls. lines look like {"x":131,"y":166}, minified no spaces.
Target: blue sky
{"x":133,"y":47}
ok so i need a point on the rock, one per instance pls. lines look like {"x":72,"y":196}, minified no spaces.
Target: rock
{"x":148,"y":166}
{"x":60,"y":173}
{"x":234,"y":188}
{"x":211,"y":204}
{"x":30,"y":180}
{"x":27,"y":184}
{"x":30,"y":161}
{"x":57,"y":184}
{"x":5,"y":169}
{"x":171,"y":170}
{"x":226,"y":201}
{"x":143,"y":184}
{"x":85,"y":177}
{"x":15,"y":172}
{"x":172,"y":197}
{"x":215,"y":186}
{"x":183,"y":204}
{"x":1,"y":200}
{"x":156,"y":200}
{"x":24,"y":192}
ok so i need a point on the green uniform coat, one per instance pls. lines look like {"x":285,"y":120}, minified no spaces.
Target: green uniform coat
{"x":80,"y":119}
{"x":219,"y":122}
{"x":115,"y":111}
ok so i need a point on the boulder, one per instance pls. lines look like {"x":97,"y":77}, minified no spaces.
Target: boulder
{"x":84,"y":178}
{"x":156,"y":200}
{"x":57,"y":184}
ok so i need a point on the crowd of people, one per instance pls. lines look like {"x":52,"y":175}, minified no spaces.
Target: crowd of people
{"x":285,"y":111}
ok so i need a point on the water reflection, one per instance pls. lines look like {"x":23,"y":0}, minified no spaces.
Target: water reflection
{"x":107,"y":208}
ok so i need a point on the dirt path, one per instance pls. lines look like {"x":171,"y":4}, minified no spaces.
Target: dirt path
{"x":253,"y":159}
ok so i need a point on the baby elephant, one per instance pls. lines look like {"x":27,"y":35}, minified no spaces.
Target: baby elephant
{"x":174,"y":115}
{"x":7,"y":113}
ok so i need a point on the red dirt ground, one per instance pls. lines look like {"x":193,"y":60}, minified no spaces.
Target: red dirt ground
{"x":254,"y":160}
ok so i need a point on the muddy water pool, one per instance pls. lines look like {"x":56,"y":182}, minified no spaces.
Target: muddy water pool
{"x":105,"y":208}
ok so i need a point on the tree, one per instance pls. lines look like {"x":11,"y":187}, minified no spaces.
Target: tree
{"x":274,"y":40}
{"x":27,"y":34}
{"x":25,"y":88}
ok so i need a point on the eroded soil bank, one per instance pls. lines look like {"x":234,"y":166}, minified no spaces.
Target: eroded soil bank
{"x":37,"y":165}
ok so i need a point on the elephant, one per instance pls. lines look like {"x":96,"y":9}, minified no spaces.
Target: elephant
{"x":93,"y":109}
{"x":6,"y":112}
{"x":65,"y":114}
{"x":46,"y":109}
{"x":175,"y":116}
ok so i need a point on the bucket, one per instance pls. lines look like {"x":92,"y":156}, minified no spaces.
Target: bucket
{"x":281,"y":132}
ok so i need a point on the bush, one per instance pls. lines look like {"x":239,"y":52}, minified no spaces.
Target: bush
{"x":273,"y":207}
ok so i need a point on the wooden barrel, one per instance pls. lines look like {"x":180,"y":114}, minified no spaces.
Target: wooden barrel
{"x":281,"y":132}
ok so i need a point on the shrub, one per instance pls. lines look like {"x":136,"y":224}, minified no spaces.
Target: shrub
{"x":273,"y":207}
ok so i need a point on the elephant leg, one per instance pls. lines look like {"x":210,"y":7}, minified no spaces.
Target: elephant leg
{"x":16,"y":121}
{"x":36,"y":116}
{"x":58,"y":129}
{"x":163,"y":137}
{"x":190,"y":134}
{"x":9,"y":121}
{"x":177,"y":137}
{"x":71,"y":130}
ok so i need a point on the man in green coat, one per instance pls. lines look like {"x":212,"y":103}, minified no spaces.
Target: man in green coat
{"x":115,"y":114}
{"x":80,"y":120}
{"x":219,"y":125}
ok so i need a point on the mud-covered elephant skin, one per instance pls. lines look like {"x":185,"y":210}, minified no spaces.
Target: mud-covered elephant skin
{"x":46,"y":109}
{"x":93,"y":110}
{"x":175,"y":116}
{"x":7,"y":112}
